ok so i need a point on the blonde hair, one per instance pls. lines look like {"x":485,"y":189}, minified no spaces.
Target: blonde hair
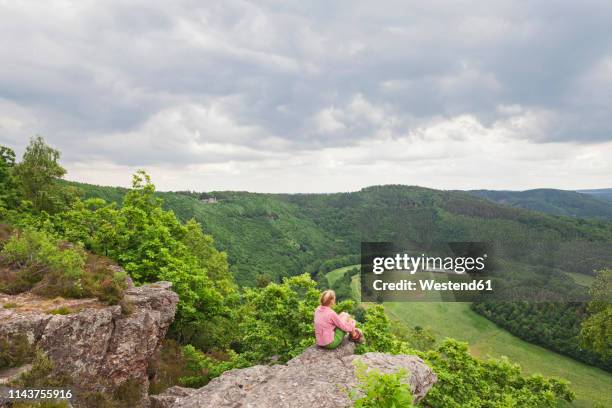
{"x":327,"y":297}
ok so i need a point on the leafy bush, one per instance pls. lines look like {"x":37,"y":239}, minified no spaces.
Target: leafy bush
{"x":39,"y":257}
{"x":377,"y":332}
{"x":376,"y":390}
{"x":201,"y":368}
{"x":61,"y":311}
{"x":467,"y":381}
{"x":41,"y":263}
{"x":41,"y":374}
{"x":277,"y":320}
{"x":15,"y":351}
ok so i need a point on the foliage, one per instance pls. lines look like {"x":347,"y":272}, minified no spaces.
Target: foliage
{"x":342,"y":286}
{"x":201,"y":368}
{"x":464,"y":381}
{"x":41,"y":374}
{"x":376,"y":390}
{"x":277,"y":320}
{"x":285,"y":235}
{"x":152,"y":245}
{"x":45,"y":404}
{"x":129,"y":393}
{"x":37,"y":175}
{"x":15,"y":351}
{"x":166,"y":371}
{"x":63,"y":310}
{"x":377,"y":331}
{"x":558,"y":202}
{"x":42,"y":263}
{"x":9,"y":194}
{"x":555,"y":326}
{"x":596,"y":331}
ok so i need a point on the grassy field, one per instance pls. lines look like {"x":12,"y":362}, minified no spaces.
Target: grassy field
{"x":336,"y":274}
{"x":581,"y":279}
{"x":458,"y":321}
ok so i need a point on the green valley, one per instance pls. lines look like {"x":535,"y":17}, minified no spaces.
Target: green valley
{"x":487,"y":340}
{"x":271,"y":236}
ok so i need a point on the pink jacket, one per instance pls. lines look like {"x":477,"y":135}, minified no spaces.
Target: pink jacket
{"x":325,"y":321}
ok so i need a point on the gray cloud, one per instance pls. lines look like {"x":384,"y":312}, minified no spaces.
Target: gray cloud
{"x":190,"y":83}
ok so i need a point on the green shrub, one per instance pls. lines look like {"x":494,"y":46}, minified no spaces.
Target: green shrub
{"x":41,"y":263}
{"x":21,"y":280}
{"x":60,"y":311}
{"x":41,"y":374}
{"x":103,"y":280}
{"x":42,"y":260}
{"x":15,"y":351}
{"x":377,"y":390}
{"x":129,"y":393}
{"x":9,"y":305}
{"x":201,"y":368}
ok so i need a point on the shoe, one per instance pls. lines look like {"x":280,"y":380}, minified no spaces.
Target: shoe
{"x":359,"y":339}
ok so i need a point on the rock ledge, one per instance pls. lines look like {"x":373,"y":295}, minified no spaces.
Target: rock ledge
{"x":316,"y":379}
{"x":98,"y":346}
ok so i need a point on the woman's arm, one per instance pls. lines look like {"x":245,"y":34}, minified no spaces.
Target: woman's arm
{"x":347,"y":326}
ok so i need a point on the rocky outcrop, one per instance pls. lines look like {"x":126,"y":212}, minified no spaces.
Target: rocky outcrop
{"x":317,"y":378}
{"x":98,"y":346}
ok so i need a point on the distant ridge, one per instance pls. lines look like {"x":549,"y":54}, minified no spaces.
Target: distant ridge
{"x":601,"y":193}
{"x":583,"y":203}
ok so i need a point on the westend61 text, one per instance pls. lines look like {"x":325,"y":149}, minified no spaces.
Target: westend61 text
{"x":432,"y":285}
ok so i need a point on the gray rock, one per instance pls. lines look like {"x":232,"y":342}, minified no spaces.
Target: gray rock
{"x":317,"y":378}
{"x":99,"y":347}
{"x":170,"y":396}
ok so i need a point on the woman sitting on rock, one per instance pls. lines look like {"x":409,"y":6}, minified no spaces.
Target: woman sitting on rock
{"x":330,"y":328}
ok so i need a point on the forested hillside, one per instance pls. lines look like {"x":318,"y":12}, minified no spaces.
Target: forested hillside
{"x":601,"y":193}
{"x":49,"y":228}
{"x":269,"y":236}
{"x":588,"y":203}
{"x":283,"y":235}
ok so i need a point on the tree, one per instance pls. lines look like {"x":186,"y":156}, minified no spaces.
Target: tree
{"x":151,"y":244}
{"x":277,"y":320}
{"x":596,"y":333}
{"x":8,"y":184}
{"x":38,"y":173}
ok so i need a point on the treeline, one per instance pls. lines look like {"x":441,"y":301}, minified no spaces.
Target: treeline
{"x":555,"y":326}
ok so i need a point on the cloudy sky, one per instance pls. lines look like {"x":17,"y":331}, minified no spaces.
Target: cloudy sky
{"x":314,"y":96}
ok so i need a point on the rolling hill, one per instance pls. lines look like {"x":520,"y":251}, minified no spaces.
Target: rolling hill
{"x":601,"y":193}
{"x":586,"y":203}
{"x":282,"y":235}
